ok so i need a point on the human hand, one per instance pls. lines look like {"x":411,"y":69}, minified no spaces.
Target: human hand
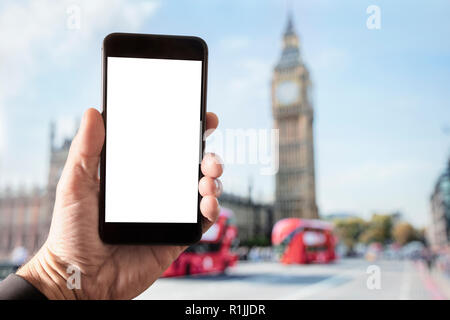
{"x":106,"y":271}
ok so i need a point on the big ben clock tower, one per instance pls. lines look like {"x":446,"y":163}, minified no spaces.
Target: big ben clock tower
{"x":293,"y":114}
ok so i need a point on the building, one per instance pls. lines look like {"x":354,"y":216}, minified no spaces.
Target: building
{"x":25,"y":215}
{"x":20,"y":211}
{"x":254,"y":220}
{"x":438,"y":233}
{"x":293,"y":115}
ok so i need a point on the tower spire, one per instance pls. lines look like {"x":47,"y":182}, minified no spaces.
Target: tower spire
{"x":290,"y":37}
{"x":290,"y":55}
{"x":290,"y":23}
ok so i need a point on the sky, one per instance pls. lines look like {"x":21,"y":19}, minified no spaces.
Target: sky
{"x":381,"y":96}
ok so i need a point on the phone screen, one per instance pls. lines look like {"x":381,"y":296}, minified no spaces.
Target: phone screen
{"x":153,"y":140}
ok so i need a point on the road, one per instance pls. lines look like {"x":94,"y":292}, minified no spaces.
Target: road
{"x":345,"y":279}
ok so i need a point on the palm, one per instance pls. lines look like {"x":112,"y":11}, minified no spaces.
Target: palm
{"x":127,"y":270}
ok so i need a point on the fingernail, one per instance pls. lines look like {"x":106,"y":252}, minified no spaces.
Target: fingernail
{"x":218,"y":160}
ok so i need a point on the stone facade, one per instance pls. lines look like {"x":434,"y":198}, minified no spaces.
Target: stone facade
{"x":20,"y":211}
{"x":253,"y":220}
{"x":438,"y":233}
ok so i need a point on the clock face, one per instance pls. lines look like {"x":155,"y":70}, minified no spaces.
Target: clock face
{"x":287,"y":92}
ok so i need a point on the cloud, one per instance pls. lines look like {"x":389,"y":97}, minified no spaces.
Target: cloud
{"x":36,"y":33}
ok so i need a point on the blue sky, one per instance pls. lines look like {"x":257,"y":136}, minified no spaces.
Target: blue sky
{"x":381,"y":96}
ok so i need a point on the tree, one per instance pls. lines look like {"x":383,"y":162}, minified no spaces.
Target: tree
{"x":420,"y":235}
{"x":349,"y":230}
{"x":404,"y":232}
{"x":379,"y":229}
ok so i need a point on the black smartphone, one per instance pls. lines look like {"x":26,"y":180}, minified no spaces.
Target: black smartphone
{"x":154,"y":104}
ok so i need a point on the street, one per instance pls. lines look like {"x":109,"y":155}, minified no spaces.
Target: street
{"x":345,"y":279}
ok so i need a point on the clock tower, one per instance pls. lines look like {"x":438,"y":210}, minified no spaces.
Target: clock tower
{"x":293,"y":114}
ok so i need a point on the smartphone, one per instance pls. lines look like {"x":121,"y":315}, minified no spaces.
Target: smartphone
{"x":154,"y":104}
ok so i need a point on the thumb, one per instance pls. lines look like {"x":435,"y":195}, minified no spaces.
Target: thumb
{"x":87,"y":145}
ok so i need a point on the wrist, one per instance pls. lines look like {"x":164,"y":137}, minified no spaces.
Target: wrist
{"x":48,"y":275}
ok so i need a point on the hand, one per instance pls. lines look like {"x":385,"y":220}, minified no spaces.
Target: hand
{"x":107,"y":271}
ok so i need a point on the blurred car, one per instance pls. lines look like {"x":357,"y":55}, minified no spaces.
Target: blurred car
{"x":412,"y":250}
{"x":392,"y":252}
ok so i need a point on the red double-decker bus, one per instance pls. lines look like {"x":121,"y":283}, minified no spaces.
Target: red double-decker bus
{"x":303,"y":241}
{"x":214,"y":253}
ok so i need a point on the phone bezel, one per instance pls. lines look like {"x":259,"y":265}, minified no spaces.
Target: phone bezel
{"x":157,"y":47}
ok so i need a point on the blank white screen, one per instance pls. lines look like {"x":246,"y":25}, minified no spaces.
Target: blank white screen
{"x":153,"y":140}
